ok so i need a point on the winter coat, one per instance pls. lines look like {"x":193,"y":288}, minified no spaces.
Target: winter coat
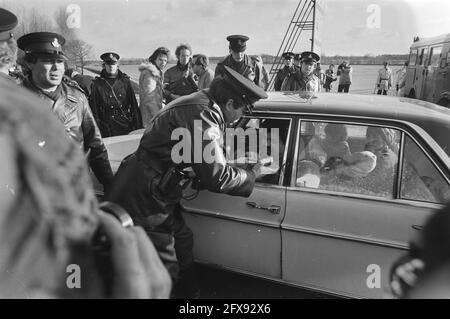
{"x":345,"y":75}
{"x":114,"y":105}
{"x":178,"y":81}
{"x":150,"y":91}
{"x":245,"y":68}
{"x":70,"y":105}
{"x":205,"y":79}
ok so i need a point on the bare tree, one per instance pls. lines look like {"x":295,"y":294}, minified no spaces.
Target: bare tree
{"x":78,"y":52}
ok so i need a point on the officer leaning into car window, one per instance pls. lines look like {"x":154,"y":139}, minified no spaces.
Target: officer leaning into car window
{"x":113,"y":101}
{"x":147,"y":183}
{"x":45,"y":59}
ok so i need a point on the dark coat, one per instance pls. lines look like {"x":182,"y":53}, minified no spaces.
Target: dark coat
{"x":85,"y":82}
{"x":114,"y":105}
{"x":142,"y":198}
{"x":72,"y":108}
{"x":245,"y":68}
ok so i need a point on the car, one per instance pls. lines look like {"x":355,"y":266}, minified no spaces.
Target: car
{"x":342,"y":205}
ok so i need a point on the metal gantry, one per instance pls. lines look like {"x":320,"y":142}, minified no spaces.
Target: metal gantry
{"x":303,"y":20}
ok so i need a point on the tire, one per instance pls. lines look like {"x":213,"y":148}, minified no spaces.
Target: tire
{"x":444,"y":102}
{"x":412,"y":94}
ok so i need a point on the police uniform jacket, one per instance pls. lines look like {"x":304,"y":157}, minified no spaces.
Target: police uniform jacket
{"x":114,"y":105}
{"x":245,"y":68}
{"x":70,"y":105}
{"x":307,"y":83}
{"x":195,"y":116}
{"x":286,"y":80}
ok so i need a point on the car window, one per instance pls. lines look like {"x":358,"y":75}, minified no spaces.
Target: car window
{"x":263,"y":138}
{"x":413,"y":57}
{"x":421,"y":180}
{"x":357,"y":159}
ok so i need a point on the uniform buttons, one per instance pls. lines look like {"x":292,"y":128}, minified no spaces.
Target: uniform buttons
{"x":112,"y":106}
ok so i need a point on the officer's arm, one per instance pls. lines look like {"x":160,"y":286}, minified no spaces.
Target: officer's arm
{"x":277,"y":84}
{"x":95,"y":103}
{"x":213,"y":171}
{"x":93,"y":143}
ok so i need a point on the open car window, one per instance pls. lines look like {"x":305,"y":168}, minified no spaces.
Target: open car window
{"x":355,"y":159}
{"x":260,"y":138}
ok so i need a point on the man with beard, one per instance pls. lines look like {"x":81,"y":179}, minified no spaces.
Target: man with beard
{"x":45,"y":59}
{"x":179,"y":79}
{"x":113,"y":101}
{"x":239,"y":61}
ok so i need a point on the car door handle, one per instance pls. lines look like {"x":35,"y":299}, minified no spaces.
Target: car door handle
{"x":274,"y":209}
{"x":417,"y":227}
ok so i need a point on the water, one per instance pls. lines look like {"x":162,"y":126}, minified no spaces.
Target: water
{"x":364,"y":76}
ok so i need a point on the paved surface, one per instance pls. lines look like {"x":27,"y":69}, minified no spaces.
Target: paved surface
{"x":218,"y":284}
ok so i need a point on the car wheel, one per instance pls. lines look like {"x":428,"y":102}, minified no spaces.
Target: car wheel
{"x":412,"y":94}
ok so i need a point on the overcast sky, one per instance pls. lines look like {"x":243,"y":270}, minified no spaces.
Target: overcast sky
{"x":134,"y":28}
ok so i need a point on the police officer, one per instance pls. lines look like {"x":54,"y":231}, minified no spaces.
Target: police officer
{"x":45,"y":58}
{"x":147,"y":183}
{"x":285,"y":79}
{"x":239,"y":61}
{"x":308,"y":82}
{"x":8,"y":45}
{"x":113,"y":100}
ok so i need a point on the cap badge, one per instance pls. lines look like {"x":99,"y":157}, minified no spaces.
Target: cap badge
{"x":111,"y":56}
{"x":310,"y":56}
{"x":55,"y":43}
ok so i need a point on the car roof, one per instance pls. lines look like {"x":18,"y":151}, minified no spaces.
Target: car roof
{"x":432,"y":118}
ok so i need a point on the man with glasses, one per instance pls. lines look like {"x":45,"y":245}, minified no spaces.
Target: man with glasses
{"x":45,"y":59}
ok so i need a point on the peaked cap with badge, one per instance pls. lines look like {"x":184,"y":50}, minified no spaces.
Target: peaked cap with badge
{"x":43,"y":44}
{"x":238,"y":42}
{"x":8,"y":21}
{"x":309,"y":56}
{"x":288,"y":55}
{"x":110,"y":58}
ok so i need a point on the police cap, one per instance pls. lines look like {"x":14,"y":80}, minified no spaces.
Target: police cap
{"x":238,"y":42}
{"x":8,"y":21}
{"x":110,"y":57}
{"x":309,"y":56}
{"x":42,"y":43}
{"x":288,"y":55}
{"x":239,"y":84}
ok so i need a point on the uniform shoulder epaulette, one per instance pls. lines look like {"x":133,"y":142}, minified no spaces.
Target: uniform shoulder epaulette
{"x":73,"y":84}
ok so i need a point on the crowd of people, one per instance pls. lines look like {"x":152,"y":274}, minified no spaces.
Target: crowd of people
{"x":53,"y":125}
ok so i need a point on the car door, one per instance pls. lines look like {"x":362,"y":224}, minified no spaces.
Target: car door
{"x":421,"y":72}
{"x":240,"y":233}
{"x":342,"y":234}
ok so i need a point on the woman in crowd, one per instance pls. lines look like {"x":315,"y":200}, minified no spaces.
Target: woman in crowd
{"x":151,"y":84}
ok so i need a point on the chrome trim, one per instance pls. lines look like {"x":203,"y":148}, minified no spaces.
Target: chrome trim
{"x":275,"y":225}
{"x":275,"y":280}
{"x":344,"y":237}
{"x":399,"y":201}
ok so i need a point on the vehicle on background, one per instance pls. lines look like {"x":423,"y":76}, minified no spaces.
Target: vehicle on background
{"x":427,"y":76}
{"x":358,"y":175}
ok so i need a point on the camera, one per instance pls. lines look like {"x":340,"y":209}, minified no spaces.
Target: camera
{"x":101,"y":245}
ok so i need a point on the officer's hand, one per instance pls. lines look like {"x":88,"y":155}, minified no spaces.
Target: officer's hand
{"x":138,"y":271}
{"x":405,"y":276}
